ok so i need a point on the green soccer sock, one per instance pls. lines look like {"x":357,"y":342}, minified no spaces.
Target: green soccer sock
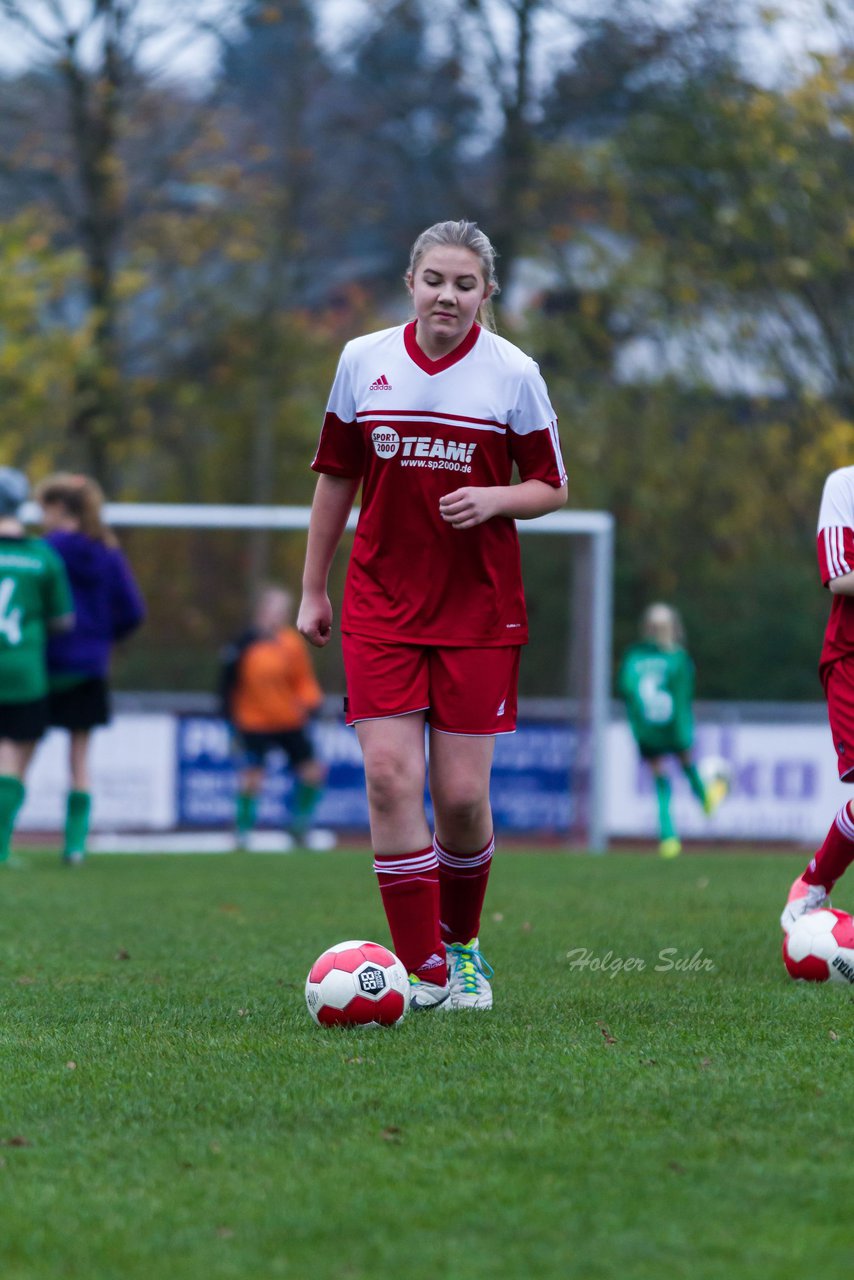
{"x":247,"y":810}
{"x":12,"y":792}
{"x":77,"y":810}
{"x":665,"y":822}
{"x":306,"y":799}
{"x":696,"y":782}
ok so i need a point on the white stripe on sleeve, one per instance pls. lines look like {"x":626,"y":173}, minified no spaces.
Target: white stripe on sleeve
{"x":844,"y":823}
{"x":553,"y":432}
{"x":834,"y":550}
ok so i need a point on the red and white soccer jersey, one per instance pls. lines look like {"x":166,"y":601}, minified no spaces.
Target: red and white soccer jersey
{"x":835,"y":559}
{"x":415,"y":429}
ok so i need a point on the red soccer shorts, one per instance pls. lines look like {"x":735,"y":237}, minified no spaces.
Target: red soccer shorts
{"x":466,"y":691}
{"x":839,"y":687}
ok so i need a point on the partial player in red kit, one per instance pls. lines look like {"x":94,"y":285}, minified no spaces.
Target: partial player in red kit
{"x":430,"y":418}
{"x":836,"y":668}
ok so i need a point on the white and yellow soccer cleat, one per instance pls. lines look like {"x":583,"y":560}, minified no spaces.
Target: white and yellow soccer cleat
{"x":468,"y":977}
{"x":426,"y":995}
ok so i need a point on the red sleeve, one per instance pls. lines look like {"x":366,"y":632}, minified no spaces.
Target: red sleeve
{"x":835,"y":552}
{"x":537,"y":455}
{"x":341,"y":451}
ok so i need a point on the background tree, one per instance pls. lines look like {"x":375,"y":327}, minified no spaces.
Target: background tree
{"x":402,"y":124}
{"x":43,"y":339}
{"x":696,"y":325}
{"x":80,"y":156}
{"x":502,"y":38}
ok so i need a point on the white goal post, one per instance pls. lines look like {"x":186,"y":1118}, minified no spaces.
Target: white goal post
{"x":596,"y":526}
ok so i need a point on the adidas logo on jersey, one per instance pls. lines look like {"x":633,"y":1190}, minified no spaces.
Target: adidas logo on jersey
{"x":382,"y":384}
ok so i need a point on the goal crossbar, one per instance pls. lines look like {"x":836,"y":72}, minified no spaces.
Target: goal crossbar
{"x":213,"y":515}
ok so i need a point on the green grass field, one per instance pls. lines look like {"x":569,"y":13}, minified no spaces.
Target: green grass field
{"x":168,"y":1110}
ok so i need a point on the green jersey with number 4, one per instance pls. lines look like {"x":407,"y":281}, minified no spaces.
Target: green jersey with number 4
{"x":658,"y":688}
{"x":34,"y":591}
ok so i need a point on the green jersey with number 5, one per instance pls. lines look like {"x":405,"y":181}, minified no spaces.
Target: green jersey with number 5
{"x":34,"y":592}
{"x":658,"y":688}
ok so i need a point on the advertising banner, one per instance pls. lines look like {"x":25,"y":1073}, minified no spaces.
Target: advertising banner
{"x":133,"y":777}
{"x":530,"y":782}
{"x":156,"y":772}
{"x":785,"y":785}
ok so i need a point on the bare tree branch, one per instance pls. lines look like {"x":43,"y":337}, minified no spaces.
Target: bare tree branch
{"x":15,"y":11}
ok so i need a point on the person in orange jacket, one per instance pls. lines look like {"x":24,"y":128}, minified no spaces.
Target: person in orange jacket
{"x":269,"y":692}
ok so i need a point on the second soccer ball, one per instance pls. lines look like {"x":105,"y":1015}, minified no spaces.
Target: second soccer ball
{"x":819,"y":947}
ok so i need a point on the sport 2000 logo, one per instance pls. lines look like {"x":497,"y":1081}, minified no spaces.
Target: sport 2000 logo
{"x":386,"y":441}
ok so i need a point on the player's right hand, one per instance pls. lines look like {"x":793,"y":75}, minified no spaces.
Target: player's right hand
{"x":314,"y":620}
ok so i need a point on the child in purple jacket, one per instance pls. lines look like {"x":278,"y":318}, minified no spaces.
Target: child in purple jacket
{"x":107,"y":606}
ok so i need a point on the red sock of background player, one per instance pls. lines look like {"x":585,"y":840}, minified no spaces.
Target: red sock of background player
{"x":836,"y":854}
{"x":409,"y":884}
{"x":462,"y":888}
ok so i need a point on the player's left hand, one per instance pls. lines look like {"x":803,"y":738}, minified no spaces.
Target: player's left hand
{"x":465,"y":508}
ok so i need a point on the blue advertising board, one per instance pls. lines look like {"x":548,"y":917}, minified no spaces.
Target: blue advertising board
{"x":531,"y":776}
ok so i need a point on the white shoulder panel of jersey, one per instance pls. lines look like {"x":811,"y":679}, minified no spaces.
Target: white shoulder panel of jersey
{"x":504,"y":352}
{"x":837,"y":500}
{"x":528,"y":406}
{"x":368,"y":343}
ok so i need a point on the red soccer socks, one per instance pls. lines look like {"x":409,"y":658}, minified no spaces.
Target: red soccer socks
{"x":836,"y":854}
{"x":409,"y":884}
{"x":462,"y":887}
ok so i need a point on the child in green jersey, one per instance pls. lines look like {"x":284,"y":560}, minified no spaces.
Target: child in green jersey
{"x":35,"y":598}
{"x":656,"y":681}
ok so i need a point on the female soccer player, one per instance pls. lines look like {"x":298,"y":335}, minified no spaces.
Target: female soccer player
{"x":429,"y":418}
{"x":107,"y":607}
{"x":656,"y":681}
{"x":836,"y":669}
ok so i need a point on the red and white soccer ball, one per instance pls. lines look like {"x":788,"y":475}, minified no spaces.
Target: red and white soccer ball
{"x":819,"y":947}
{"x":357,"y":984}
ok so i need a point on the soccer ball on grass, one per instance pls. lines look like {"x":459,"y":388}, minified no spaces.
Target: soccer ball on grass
{"x":819,"y":947}
{"x":357,"y":984}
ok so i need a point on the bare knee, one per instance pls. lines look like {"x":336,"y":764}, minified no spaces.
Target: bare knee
{"x":392,"y":781}
{"x":462,"y":811}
